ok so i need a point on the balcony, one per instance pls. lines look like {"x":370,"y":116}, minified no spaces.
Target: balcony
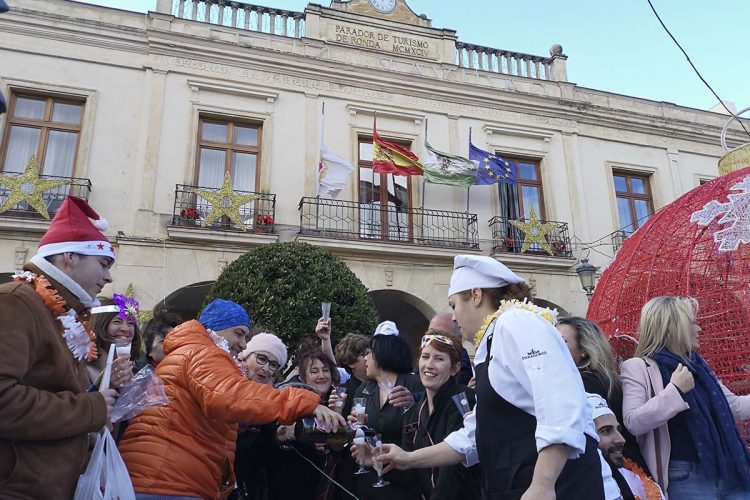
{"x":242,"y":15}
{"x":380,"y":224}
{"x":227,"y":219}
{"x":508,"y":240}
{"x":24,"y":216}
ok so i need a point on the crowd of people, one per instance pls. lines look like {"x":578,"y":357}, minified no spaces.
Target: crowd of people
{"x":543,"y":412}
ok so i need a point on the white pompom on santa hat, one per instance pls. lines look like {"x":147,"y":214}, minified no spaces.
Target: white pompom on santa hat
{"x":76,"y":228}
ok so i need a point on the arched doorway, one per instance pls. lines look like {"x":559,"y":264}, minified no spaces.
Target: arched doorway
{"x":186,"y":301}
{"x":411,"y":314}
{"x":551,"y":305}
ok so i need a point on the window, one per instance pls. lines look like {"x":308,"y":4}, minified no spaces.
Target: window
{"x":634,"y":204}
{"x":45,"y":126}
{"x":384,"y":212}
{"x":517,"y":201}
{"x":228,"y":147}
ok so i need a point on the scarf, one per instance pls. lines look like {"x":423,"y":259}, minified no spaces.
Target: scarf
{"x":710,"y":421}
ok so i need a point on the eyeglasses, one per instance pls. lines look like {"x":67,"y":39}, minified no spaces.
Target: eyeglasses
{"x":440,"y":338}
{"x":263,"y":360}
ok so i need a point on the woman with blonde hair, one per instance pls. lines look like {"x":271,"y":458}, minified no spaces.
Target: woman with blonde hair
{"x":682,"y":414}
{"x":592,"y":355}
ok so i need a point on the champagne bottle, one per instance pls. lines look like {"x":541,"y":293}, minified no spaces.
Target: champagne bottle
{"x":308,"y":431}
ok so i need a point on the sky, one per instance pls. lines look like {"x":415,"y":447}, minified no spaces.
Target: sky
{"x":612,"y":45}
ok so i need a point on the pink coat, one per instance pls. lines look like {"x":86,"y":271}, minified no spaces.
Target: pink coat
{"x":647,"y":406}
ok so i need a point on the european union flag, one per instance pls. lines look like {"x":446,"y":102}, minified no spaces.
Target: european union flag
{"x":491,"y":168}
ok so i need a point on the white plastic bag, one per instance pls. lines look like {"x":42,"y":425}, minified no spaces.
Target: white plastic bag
{"x":145,"y":390}
{"x":106,"y":477}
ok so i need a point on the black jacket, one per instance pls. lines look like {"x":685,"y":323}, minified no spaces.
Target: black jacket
{"x":422,"y":430}
{"x":388,"y":421}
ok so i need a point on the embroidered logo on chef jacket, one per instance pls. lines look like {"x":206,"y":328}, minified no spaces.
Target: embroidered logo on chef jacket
{"x":533,"y":354}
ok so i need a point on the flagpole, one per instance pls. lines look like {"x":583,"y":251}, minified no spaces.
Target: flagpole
{"x":424,"y":177}
{"x":468,"y":193}
{"x":317,"y":197}
{"x":372,"y":184}
{"x":395,"y":204}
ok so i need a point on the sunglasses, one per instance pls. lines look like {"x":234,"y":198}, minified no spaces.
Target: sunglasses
{"x":439,"y":338}
{"x":262,"y":360}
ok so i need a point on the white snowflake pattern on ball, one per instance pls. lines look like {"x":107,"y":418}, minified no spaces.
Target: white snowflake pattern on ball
{"x":735,"y":212}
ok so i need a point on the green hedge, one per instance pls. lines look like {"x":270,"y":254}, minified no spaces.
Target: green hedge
{"x":283,"y":284}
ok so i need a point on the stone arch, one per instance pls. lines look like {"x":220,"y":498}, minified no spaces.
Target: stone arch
{"x":546,"y":303}
{"x":410,"y":313}
{"x":186,"y":301}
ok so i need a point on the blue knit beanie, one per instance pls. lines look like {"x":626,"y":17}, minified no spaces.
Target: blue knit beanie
{"x":222,"y":314}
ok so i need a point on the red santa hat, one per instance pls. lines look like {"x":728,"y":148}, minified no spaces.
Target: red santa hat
{"x":72,"y":230}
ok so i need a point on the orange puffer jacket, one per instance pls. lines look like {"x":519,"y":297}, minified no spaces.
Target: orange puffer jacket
{"x":187,"y":447}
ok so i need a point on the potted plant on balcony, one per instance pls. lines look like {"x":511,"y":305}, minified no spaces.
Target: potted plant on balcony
{"x":264,"y":223}
{"x":559,"y":248}
{"x":189,"y":217}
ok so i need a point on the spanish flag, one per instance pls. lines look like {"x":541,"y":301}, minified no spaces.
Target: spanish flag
{"x":389,"y":158}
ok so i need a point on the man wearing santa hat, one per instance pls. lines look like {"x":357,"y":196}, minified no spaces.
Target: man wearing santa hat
{"x":45,"y":413}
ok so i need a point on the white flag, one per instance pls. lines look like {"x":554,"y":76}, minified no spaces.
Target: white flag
{"x":333,"y":173}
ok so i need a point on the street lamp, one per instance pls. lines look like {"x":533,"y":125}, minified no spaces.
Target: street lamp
{"x":587,"y":274}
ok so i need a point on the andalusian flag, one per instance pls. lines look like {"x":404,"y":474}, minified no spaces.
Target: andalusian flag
{"x":443,"y":168}
{"x":389,"y":158}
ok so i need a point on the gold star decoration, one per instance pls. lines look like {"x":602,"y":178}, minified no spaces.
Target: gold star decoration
{"x":225,"y":202}
{"x":534,"y":232}
{"x":28,"y":187}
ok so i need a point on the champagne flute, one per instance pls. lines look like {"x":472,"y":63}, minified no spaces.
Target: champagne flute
{"x":341,"y":393}
{"x":325,"y":308}
{"x":360,"y":408}
{"x":462,"y":403}
{"x":122,"y":346}
{"x":377,"y":448}
{"x":359,"y":440}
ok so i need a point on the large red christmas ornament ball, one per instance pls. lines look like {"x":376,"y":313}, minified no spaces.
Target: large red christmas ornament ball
{"x":697,"y":246}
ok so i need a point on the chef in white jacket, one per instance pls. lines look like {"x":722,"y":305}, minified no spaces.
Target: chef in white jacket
{"x":532,"y":429}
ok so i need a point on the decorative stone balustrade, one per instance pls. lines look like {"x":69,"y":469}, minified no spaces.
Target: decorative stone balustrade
{"x":274,"y":21}
{"x":512,"y":63}
{"x":242,"y":15}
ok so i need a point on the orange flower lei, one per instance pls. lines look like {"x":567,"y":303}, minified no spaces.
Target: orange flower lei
{"x":653,"y":492}
{"x":59,"y":309}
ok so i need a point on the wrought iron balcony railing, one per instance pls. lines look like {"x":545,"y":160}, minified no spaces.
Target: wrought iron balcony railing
{"x":51,"y":198}
{"x":508,"y":238}
{"x":241,"y":211}
{"x":351,"y":220}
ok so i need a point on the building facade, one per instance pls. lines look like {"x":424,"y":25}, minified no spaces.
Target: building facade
{"x":148,"y":115}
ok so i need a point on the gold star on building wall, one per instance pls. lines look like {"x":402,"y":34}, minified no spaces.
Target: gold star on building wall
{"x":534,"y":232}
{"x":225,"y":202}
{"x":28,"y":187}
